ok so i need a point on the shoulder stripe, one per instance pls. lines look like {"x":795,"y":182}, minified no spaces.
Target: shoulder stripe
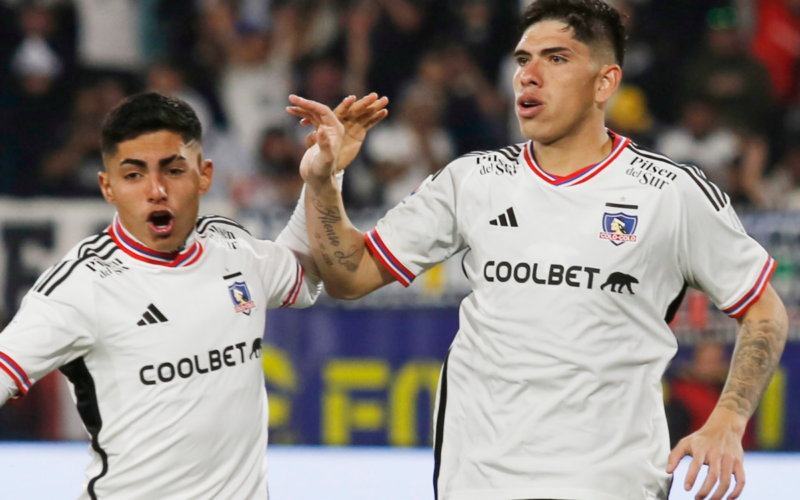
{"x":97,"y":244}
{"x":203,"y":222}
{"x":708,"y":187}
{"x":75,"y":264}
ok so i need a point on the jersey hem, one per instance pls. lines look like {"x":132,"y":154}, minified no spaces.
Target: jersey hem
{"x":752,"y":295}
{"x":532,"y":493}
{"x":17,"y":374}
{"x":387,"y":258}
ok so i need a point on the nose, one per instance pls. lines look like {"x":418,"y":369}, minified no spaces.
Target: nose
{"x":531,"y":74}
{"x":157,"y":190}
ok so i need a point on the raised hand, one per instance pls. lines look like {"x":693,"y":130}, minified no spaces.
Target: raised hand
{"x":358,"y":117}
{"x":320,"y":164}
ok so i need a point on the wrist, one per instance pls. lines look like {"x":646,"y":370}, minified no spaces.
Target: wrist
{"x":723,"y":417}
{"x":323,"y":185}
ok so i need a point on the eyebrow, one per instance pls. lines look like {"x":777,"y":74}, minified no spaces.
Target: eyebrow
{"x":543,"y":52}
{"x":161,"y":163}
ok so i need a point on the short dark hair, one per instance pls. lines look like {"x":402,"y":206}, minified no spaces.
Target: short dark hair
{"x":146,"y":113}
{"x":593,"y":21}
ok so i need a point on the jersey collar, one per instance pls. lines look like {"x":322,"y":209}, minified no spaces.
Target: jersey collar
{"x":136,"y":249}
{"x":582,"y":175}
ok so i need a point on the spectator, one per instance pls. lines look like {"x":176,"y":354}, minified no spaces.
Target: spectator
{"x":256,"y":75}
{"x":724,"y":73}
{"x":71,"y":169}
{"x":776,"y":43}
{"x":629,"y":115}
{"x":414,"y":146}
{"x":782,"y":187}
{"x":701,"y":140}
{"x":276,"y":183}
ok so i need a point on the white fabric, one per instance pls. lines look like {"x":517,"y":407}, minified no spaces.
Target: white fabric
{"x":109,"y":34}
{"x":554,"y":378}
{"x":182,"y":400}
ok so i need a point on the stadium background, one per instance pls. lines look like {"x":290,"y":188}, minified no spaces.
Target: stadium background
{"x":710,"y":82}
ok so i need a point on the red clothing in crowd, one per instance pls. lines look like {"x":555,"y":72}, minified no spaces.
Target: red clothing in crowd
{"x":776,"y":43}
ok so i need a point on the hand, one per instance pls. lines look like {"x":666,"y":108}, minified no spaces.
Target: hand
{"x":328,"y":136}
{"x":719,"y":445}
{"x":357,"y":117}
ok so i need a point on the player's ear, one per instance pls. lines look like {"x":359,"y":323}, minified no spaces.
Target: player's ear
{"x":206,"y":175}
{"x":105,"y":187}
{"x":608,"y":81}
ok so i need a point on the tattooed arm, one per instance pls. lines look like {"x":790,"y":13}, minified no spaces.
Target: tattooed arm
{"x":759,"y":345}
{"x":347,"y":269}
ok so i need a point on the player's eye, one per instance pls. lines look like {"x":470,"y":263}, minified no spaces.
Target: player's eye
{"x":522,"y":61}
{"x":557,"y":59}
{"x":175,"y":171}
{"x":132,"y":175}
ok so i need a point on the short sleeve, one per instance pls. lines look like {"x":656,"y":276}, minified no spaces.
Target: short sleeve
{"x":421,"y":231}
{"x":45,"y":334}
{"x":715,"y":253}
{"x":285,"y":281}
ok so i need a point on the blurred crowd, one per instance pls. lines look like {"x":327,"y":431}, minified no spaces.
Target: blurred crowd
{"x":714,"y":83}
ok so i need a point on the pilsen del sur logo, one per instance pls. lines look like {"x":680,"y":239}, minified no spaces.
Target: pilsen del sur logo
{"x":240,"y":295}
{"x":619,"y":228}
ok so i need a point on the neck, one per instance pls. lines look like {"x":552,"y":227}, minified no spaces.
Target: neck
{"x":586,"y":146}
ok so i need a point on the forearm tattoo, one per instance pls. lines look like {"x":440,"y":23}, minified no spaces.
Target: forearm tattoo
{"x":330,"y":217}
{"x":755,"y":359}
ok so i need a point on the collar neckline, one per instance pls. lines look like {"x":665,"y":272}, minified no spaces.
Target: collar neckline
{"x":582,"y":175}
{"x":139,"y":251}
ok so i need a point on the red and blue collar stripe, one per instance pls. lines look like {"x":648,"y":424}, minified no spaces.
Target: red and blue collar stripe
{"x":752,"y":296}
{"x":16,"y":373}
{"x":583,"y":175}
{"x":389,"y":261}
{"x":138,"y":251}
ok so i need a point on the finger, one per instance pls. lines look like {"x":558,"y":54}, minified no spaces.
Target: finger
{"x":711,"y":479}
{"x":323,"y":112}
{"x":379,"y":116}
{"x":680,"y":451}
{"x":310,"y":118}
{"x":371,"y":109}
{"x":738,"y":472}
{"x":311,"y":139}
{"x":359,"y":107}
{"x":344,"y":106}
{"x":725,"y":471}
{"x":694,"y":469}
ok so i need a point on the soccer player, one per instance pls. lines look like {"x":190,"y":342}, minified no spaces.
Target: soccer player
{"x":157,"y":321}
{"x":552,"y":386}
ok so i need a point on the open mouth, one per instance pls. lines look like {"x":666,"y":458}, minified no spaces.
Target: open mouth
{"x":528,"y":106}
{"x":161,"y":222}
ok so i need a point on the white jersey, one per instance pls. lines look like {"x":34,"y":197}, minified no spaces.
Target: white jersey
{"x":552,"y":386}
{"x":164,"y":355}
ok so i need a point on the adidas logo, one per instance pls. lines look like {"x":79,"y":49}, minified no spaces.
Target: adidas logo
{"x":152,"y":316}
{"x":507,"y":219}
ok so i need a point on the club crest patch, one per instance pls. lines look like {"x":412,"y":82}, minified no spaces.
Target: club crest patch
{"x":240,"y":295}
{"x":619,"y":228}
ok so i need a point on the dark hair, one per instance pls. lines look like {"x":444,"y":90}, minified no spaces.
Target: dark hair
{"x":146,"y":113}
{"x":593,"y":21}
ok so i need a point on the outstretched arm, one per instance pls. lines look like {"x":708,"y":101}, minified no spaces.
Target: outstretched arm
{"x":759,"y":345}
{"x":347,"y":268}
{"x":357,"y":116}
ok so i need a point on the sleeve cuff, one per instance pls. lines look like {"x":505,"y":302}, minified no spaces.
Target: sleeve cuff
{"x":387,"y":258}
{"x":16,"y":373}
{"x":295,"y":291}
{"x":752,"y":296}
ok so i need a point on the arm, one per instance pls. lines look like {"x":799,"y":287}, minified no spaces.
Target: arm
{"x":759,"y":345}
{"x":347,"y":268}
{"x":357,"y":117}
